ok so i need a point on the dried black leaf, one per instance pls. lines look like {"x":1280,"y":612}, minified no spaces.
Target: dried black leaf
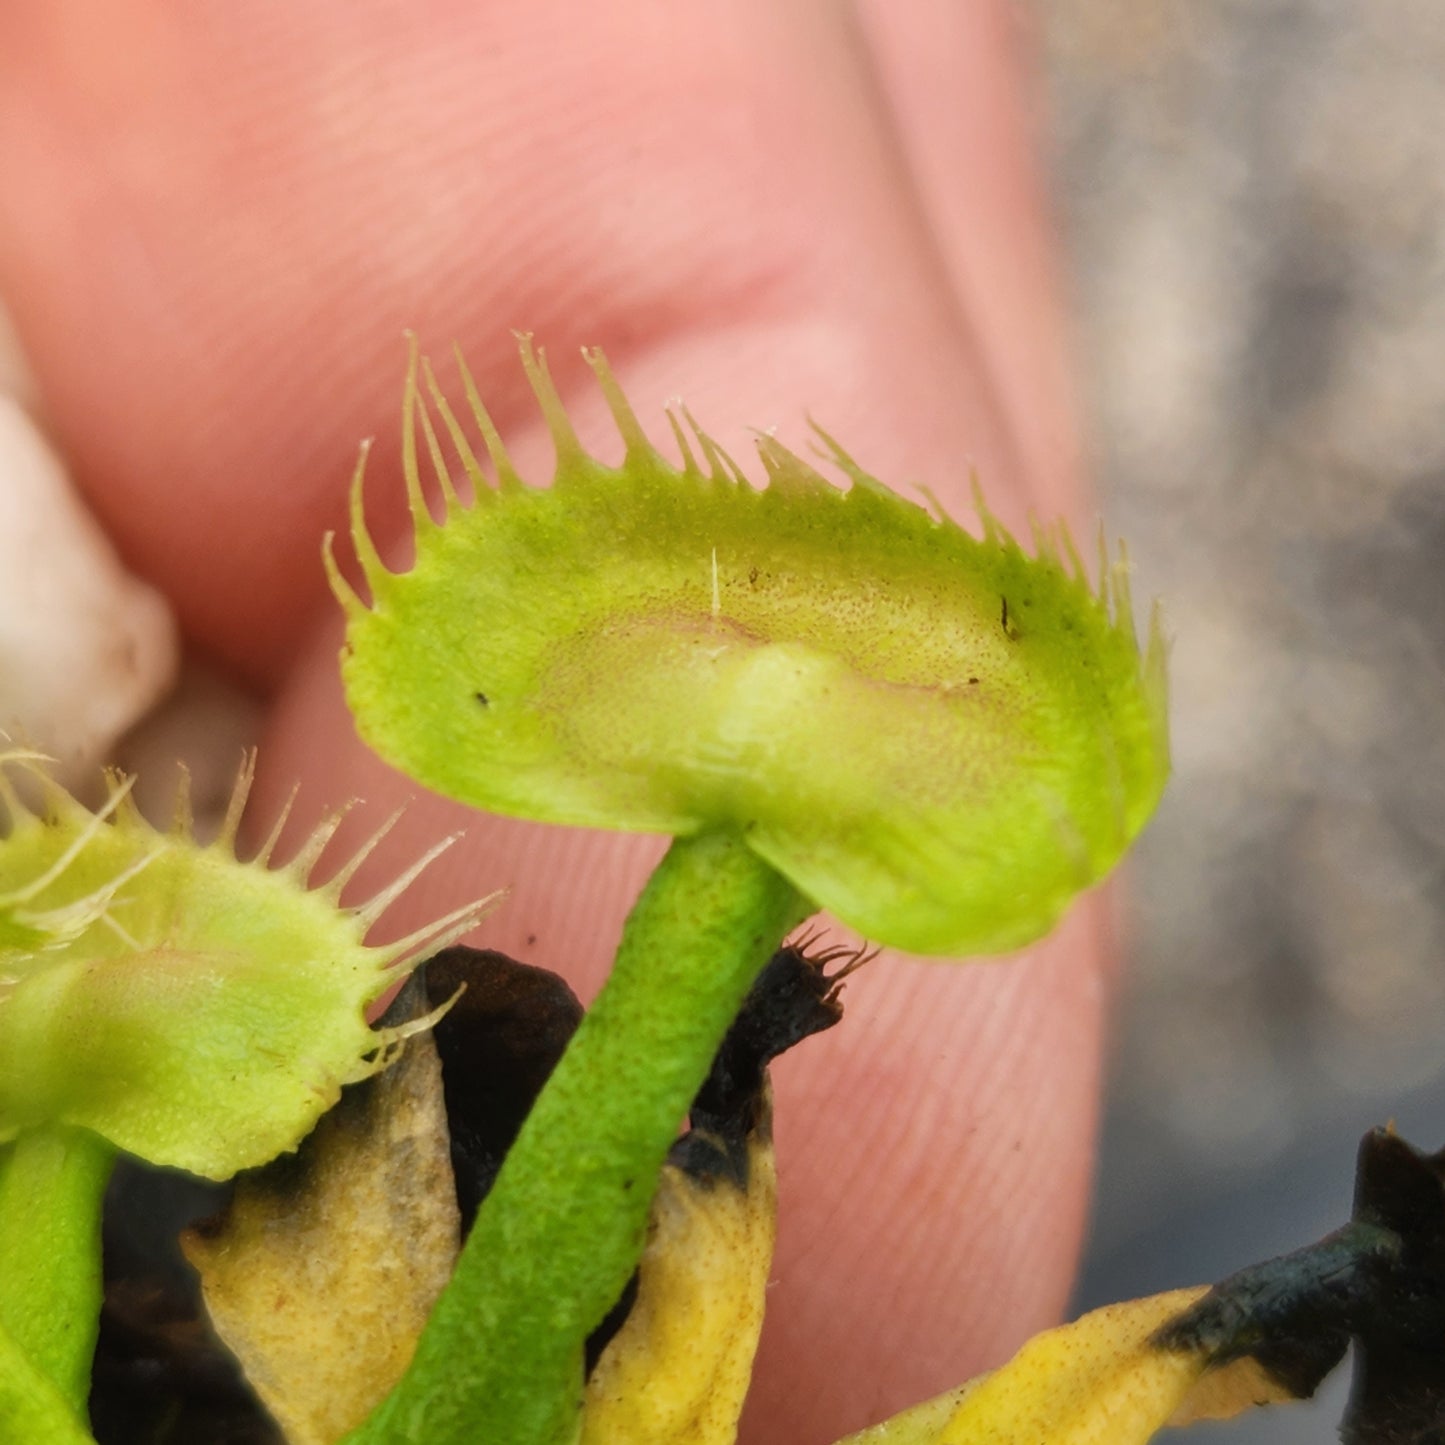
{"x":1379,"y":1281}
{"x":498,"y":1044}
{"x":793,"y":997}
{"x":1398,"y":1396}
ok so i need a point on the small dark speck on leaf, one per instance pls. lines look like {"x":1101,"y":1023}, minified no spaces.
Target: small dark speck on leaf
{"x":1009,"y":631}
{"x":481,"y":697}
{"x":753,"y":575}
{"x":973,"y":682}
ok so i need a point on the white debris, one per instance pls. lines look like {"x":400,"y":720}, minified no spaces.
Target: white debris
{"x":85,"y":648}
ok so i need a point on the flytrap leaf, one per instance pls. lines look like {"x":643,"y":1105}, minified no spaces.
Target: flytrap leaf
{"x":938,"y":737}
{"x":195,"y":1010}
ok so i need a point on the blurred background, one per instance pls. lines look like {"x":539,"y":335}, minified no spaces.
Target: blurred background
{"x":1253,"y":196}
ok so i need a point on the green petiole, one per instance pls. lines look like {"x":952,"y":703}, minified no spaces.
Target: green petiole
{"x":52,"y":1183}
{"x":501,"y":1357}
{"x":31,"y":1405}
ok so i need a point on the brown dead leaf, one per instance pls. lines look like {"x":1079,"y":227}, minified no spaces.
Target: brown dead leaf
{"x":322,"y":1273}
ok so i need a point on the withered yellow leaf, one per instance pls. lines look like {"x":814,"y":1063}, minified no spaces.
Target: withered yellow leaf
{"x":1106,"y":1379}
{"x":323,"y":1272}
{"x":678,"y":1370}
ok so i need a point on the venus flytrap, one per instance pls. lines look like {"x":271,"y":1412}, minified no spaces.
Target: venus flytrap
{"x":829,"y":699}
{"x":197,"y":1011}
{"x":166,"y":999}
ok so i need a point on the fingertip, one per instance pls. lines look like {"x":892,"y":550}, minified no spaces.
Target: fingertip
{"x":935,"y":1156}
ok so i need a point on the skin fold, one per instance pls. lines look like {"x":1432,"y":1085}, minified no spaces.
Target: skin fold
{"x":220,"y":220}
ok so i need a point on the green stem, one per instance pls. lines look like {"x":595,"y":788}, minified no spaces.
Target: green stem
{"x":52,"y":1183}
{"x":562,"y":1229}
{"x":31,"y":1407}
